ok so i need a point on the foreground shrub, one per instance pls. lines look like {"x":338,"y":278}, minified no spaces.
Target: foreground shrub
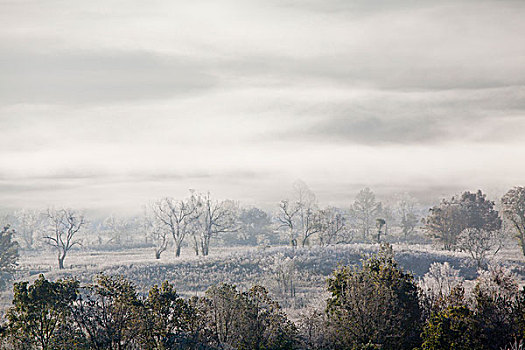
{"x":249,"y":320}
{"x":110,"y":314}
{"x":40,"y":313}
{"x":492,"y":318}
{"x":375,"y":306}
{"x":454,"y":328}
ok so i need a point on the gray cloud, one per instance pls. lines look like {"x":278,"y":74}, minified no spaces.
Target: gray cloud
{"x":112,"y":103}
{"x":373,"y":130}
{"x":367,"y":7}
{"x":382,"y":130}
{"x":482,"y":115}
{"x":97,"y":76}
{"x":417,"y":45}
{"x":390,"y":71}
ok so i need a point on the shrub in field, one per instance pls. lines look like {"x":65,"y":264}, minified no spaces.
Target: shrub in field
{"x":493,"y":317}
{"x":249,"y":320}
{"x":440,"y":287}
{"x":498,"y":307}
{"x":312,"y":326}
{"x":376,"y":305}
{"x":452,"y":328}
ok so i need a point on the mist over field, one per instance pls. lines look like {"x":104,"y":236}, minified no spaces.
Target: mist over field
{"x":105,"y":104}
{"x":262,"y":174}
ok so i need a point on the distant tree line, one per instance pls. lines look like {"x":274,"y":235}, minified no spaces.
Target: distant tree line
{"x":469,"y":222}
{"x":376,"y":305}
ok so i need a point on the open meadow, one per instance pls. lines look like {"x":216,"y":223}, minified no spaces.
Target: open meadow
{"x":296,"y":278}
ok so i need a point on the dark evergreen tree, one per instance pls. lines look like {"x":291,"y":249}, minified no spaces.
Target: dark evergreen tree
{"x":374,"y":306}
{"x":167,"y":319}
{"x":39,"y":316}
{"x":8,"y":255}
{"x":454,"y":328}
{"x":110,"y":313}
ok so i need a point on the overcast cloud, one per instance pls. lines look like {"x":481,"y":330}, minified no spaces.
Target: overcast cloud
{"x":109,"y":104}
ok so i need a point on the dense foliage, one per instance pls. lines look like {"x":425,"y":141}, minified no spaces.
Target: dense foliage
{"x":8,"y":254}
{"x":375,"y":305}
{"x":468,"y":222}
{"x":109,"y":314}
{"x":492,"y":318}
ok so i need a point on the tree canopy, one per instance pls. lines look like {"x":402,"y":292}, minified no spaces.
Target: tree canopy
{"x":8,"y":255}
{"x":470,"y":211}
{"x":513,"y":203}
{"x":375,"y":305}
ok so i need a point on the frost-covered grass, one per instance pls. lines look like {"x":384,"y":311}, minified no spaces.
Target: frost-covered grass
{"x":308,"y":268}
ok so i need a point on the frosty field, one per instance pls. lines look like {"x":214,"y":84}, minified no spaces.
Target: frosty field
{"x":295,"y":277}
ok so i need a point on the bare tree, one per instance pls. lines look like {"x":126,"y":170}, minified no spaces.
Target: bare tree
{"x":478,"y":243}
{"x":302,"y":219}
{"x":438,"y":284}
{"x":159,"y":236}
{"x":309,"y":218}
{"x":310,"y":224}
{"x":407,"y":216}
{"x":334,"y":227}
{"x":176,"y":217}
{"x":366,"y":210}
{"x":284,"y":271}
{"x":287,"y":218}
{"x":116,"y":227}
{"x":214,"y":217}
{"x":63,"y":225}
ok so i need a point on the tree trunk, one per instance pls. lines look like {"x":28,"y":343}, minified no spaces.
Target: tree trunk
{"x":177,"y":249}
{"x":61,"y":262}
{"x":157,"y":254}
{"x":293,"y":241}
{"x":205,"y":244}
{"x":195,"y":245}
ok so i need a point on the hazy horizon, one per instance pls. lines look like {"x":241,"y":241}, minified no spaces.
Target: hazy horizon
{"x":107,"y":105}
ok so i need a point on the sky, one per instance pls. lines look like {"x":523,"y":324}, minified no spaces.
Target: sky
{"x":110,"y":104}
